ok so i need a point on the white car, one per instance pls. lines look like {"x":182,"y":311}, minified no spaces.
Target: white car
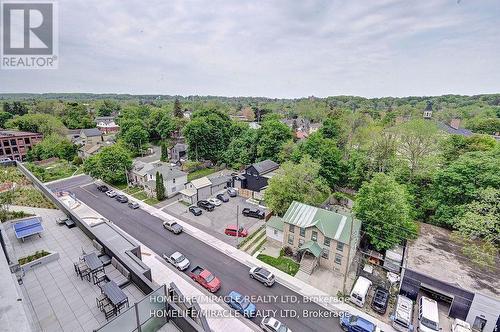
{"x":111,"y":193}
{"x":262,"y":275}
{"x":214,"y":201}
{"x":273,"y":325}
{"x":178,"y":260}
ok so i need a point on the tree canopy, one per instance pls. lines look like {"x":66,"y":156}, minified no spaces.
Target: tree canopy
{"x":110,"y":164}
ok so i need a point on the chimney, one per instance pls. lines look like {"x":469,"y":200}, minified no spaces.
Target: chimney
{"x":455,"y":123}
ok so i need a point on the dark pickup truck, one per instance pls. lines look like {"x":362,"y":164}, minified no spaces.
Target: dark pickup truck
{"x":205,"y":278}
{"x":254,"y":213}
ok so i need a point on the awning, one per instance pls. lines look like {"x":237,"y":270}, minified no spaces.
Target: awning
{"x":313,"y":247}
{"x":188,"y":192}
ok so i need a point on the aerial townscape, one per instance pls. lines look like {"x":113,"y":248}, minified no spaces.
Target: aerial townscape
{"x":144,"y":185}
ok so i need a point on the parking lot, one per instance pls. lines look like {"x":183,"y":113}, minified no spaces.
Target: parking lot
{"x":216,"y":221}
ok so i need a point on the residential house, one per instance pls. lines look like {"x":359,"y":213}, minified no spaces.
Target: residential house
{"x":90,"y":137}
{"x":73,"y":134}
{"x":107,"y":124}
{"x":14,"y":145}
{"x":428,"y":111}
{"x":197,"y":190}
{"x":138,"y":175}
{"x":322,"y":238}
{"x":173,"y":180}
{"x":274,"y":231}
{"x":178,"y":152}
{"x":453,"y":128}
{"x":256,"y":176}
{"x":314,"y":127}
{"x":218,"y":182}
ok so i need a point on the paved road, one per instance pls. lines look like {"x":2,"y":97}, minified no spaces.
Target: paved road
{"x":234,"y":275}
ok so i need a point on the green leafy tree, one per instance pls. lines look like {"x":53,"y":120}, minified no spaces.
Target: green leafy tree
{"x":178,"y":109}
{"x":242,"y":149}
{"x":272,"y":136}
{"x":53,"y":146}
{"x":164,"y":151}
{"x":335,"y":128}
{"x":136,"y":137}
{"x":296,"y":182}
{"x":166,"y":127}
{"x":456,"y":145}
{"x":460,"y":182}
{"x":110,"y":164}
{"x":4,"y":116}
{"x":45,"y":124}
{"x":487,"y":126}
{"x":108,"y":107}
{"x":75,"y":116}
{"x":383,"y":206}
{"x":15,"y":108}
{"x":160,"y":187}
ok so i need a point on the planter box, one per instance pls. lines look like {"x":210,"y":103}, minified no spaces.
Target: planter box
{"x":53,"y":256}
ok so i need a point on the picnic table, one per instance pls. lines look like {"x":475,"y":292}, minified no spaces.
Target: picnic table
{"x":93,"y":262}
{"x":28,"y":227}
{"x":114,"y":293}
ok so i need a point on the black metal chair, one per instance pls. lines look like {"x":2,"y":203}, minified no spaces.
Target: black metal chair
{"x":109,"y":310}
{"x":99,"y":277}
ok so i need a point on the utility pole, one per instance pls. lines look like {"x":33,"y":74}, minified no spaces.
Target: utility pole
{"x":237,"y":225}
{"x":348,"y":254}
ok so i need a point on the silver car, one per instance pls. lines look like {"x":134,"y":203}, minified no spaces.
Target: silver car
{"x":178,"y":260}
{"x":262,"y":275}
{"x":270,"y":324}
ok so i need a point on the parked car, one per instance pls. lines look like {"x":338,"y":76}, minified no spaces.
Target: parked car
{"x":121,"y":198}
{"x":402,"y":318}
{"x":205,"y":278}
{"x":460,"y":326}
{"x":195,"y":210}
{"x":206,"y":205}
{"x":214,"y":201}
{"x":360,"y":291}
{"x":428,"y":315}
{"x":232,"y":192}
{"x":270,"y":324}
{"x":178,"y":260}
{"x":232,"y":230}
{"x":111,"y":193}
{"x":103,"y":188}
{"x":241,"y":304}
{"x":254,"y":213}
{"x":262,"y":275}
{"x":172,"y":226}
{"x":133,"y":205}
{"x":222,"y":198}
{"x":352,"y":323}
{"x":380,"y":300}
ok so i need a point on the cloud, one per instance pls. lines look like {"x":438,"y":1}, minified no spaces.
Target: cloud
{"x":272,"y":48}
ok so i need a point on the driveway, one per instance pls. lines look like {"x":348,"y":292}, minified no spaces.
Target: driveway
{"x":215,"y":222}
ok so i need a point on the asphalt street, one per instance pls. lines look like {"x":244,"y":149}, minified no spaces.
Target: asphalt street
{"x":277,"y":301}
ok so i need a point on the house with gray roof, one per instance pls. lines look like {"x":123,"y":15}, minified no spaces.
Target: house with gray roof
{"x":144,"y":175}
{"x":257,"y":175}
{"x":322,"y":238}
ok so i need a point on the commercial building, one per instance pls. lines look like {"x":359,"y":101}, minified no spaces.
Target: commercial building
{"x":14,"y":145}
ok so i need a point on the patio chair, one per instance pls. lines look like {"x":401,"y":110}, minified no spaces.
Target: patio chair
{"x":85,"y":273}
{"x":101,"y":301}
{"x":109,"y":311}
{"x":99,"y":277}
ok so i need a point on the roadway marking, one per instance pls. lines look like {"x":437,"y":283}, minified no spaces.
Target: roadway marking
{"x":81,"y":187}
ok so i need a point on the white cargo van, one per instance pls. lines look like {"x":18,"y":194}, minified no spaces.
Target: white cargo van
{"x":402,"y":319}
{"x":359,"y":291}
{"x":428,"y":315}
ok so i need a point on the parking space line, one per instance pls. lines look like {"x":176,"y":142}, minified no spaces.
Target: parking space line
{"x":81,"y":187}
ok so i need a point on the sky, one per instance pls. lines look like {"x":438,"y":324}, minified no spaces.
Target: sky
{"x":282,"y":49}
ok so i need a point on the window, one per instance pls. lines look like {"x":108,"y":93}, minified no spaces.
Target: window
{"x":26,"y":140}
{"x":291,"y":228}
{"x":479,"y":323}
{"x":290,"y":239}
{"x":302,"y":231}
{"x":327,"y":241}
{"x":338,"y":259}
{"x":7,"y":151}
{"x":275,"y":231}
{"x":13,"y":142}
{"x":6,"y":143}
{"x":324,"y":253}
{"x":340,"y":246}
{"x":314,"y":236}
{"x":301,"y":242}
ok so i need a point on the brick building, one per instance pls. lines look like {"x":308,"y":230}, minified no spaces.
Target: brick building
{"x":15,"y":144}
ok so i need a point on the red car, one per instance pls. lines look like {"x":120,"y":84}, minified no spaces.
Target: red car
{"x":205,"y":278}
{"x":231,"y":231}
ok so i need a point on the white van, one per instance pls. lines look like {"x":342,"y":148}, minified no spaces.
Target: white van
{"x":428,"y":315}
{"x":402,"y":319}
{"x":359,"y":291}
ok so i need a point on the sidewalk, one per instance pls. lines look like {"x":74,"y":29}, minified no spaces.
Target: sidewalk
{"x":315,"y":295}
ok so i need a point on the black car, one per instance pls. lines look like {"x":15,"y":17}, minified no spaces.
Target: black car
{"x":133,"y":205}
{"x":222,"y":197}
{"x":121,"y":198}
{"x":195,"y":210}
{"x":206,"y":205}
{"x":103,"y":188}
{"x":380,"y":300}
{"x":254,"y":213}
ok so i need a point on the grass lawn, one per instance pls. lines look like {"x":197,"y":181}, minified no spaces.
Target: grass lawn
{"x":281,"y":263}
{"x":121,"y":186}
{"x":131,"y":190}
{"x":151,"y":201}
{"x":29,"y":196}
{"x":141,"y":195}
{"x":200,"y":173}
